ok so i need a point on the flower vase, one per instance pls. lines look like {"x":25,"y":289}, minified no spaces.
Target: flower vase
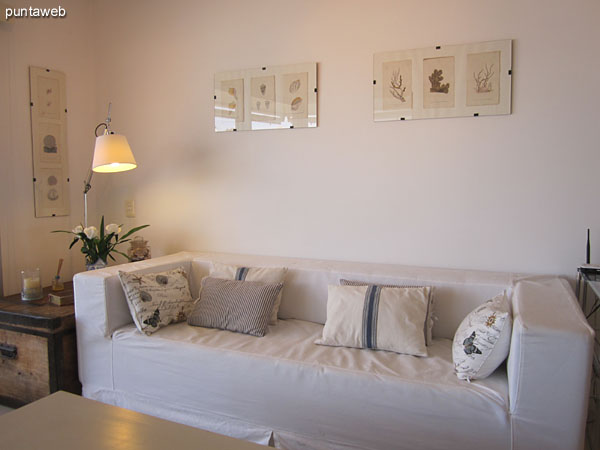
{"x":99,"y":264}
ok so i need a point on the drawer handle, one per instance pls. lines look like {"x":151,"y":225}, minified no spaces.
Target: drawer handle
{"x":8,"y":351}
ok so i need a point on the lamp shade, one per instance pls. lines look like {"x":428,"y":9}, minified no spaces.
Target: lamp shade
{"x":112,"y":154}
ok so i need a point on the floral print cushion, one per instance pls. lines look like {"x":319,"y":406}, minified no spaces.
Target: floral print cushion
{"x":482,"y":340}
{"x":157,"y":299}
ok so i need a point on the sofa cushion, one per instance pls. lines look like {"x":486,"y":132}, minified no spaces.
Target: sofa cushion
{"x":457,"y":292}
{"x":482,"y":340}
{"x":428,"y":321}
{"x":157,"y":299}
{"x":377,"y":318}
{"x":283,"y":379}
{"x":242,"y":306}
{"x":264,"y":274}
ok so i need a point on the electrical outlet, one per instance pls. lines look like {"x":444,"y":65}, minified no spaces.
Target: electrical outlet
{"x":130,"y":208}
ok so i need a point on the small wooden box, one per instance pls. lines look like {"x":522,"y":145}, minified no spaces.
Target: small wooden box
{"x":61,"y":298}
{"x":38,"y":350}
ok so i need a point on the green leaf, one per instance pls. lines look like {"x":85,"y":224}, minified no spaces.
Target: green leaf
{"x":102,"y":228}
{"x":73,"y":243}
{"x":133,"y":230}
{"x":122,"y":254}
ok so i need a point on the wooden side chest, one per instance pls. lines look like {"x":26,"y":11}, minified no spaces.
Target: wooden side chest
{"x":38,"y":350}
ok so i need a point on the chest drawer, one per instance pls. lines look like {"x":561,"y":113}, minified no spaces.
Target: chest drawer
{"x":24,"y":370}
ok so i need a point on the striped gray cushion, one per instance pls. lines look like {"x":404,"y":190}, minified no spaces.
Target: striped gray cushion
{"x":428,"y":321}
{"x":242,"y":306}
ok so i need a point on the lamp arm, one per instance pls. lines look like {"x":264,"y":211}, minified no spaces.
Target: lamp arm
{"x":106,"y":123}
{"x":86,"y":183}
{"x":103,"y":124}
{"x":86,"y":188}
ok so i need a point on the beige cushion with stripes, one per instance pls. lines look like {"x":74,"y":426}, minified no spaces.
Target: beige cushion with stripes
{"x":428,"y":323}
{"x":264,"y":274}
{"x":376,"y":317}
{"x":235,"y":305}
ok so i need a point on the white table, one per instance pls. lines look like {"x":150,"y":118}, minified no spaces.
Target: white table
{"x":64,"y":421}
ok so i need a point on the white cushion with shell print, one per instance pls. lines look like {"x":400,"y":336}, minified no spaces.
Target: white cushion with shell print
{"x":157,"y":299}
{"x":482,"y":340}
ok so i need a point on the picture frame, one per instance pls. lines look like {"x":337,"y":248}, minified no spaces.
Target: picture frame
{"x":266,"y":98}
{"x":49,"y":142}
{"x":443,"y":81}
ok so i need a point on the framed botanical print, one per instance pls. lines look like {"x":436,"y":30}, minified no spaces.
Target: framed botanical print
{"x":443,"y":81}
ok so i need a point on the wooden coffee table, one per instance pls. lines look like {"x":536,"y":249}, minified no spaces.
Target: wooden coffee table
{"x":64,"y":421}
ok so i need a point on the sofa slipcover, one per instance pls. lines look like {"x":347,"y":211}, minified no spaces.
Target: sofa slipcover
{"x":285,"y":391}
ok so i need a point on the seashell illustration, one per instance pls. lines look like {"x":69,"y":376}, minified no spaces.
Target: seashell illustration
{"x":294,"y":86}
{"x":263,"y":88}
{"x":267,"y":103}
{"x":50,"y":144}
{"x":233,"y":92}
{"x":258,"y":106}
{"x":162,"y":279}
{"x":52,"y":194}
{"x":145,"y":297}
{"x":295,"y":105}
{"x":52,"y":180}
{"x":232,"y":106}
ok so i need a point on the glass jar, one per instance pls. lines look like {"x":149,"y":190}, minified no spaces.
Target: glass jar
{"x":31,"y":284}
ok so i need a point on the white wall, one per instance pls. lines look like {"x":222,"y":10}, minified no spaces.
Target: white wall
{"x":60,"y":44}
{"x":503,"y":193}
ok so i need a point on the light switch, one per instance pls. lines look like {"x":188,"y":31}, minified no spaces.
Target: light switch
{"x":129,"y":208}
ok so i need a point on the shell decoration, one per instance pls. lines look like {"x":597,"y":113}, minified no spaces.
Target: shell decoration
{"x":294,"y":86}
{"x":295,"y":105}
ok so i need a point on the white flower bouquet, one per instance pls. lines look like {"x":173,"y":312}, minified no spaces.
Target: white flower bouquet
{"x":98,"y":245}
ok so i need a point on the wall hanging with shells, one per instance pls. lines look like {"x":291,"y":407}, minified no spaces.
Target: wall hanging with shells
{"x":266,"y":98}
{"x":49,"y":138}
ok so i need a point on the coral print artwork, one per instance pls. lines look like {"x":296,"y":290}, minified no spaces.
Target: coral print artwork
{"x":438,"y":82}
{"x":397,"y":85}
{"x":483,"y":79}
{"x":467,"y":80}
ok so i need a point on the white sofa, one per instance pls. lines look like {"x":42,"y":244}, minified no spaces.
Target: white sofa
{"x":286,"y":391}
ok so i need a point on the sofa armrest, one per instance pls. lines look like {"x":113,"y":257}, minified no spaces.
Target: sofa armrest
{"x":101,"y":308}
{"x":549,"y":366}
